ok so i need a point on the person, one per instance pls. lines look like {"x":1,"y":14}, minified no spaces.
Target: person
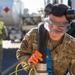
{"x":3,"y":35}
{"x":58,"y":41}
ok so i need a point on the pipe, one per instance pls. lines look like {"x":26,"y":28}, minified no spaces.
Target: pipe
{"x":41,"y":68}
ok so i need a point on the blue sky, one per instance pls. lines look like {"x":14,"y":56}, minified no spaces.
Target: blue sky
{"x":35,"y":5}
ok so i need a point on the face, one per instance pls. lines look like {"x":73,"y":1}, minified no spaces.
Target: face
{"x":55,"y":30}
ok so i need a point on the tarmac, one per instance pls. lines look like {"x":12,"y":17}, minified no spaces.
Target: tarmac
{"x":10,"y":61}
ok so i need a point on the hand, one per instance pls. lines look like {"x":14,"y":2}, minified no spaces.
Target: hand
{"x":35,"y":58}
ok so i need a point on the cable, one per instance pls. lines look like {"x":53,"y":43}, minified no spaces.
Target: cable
{"x":16,"y":70}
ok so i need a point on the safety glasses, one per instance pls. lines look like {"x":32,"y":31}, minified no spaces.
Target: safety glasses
{"x":57,"y":27}
{"x":58,"y":23}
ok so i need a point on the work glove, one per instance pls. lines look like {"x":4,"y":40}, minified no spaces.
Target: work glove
{"x":1,"y":27}
{"x":35,"y":58}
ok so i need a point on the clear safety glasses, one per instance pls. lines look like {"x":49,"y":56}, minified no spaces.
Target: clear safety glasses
{"x":57,"y":27}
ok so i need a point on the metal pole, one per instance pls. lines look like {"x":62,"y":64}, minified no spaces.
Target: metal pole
{"x":55,"y":1}
{"x":61,"y":1}
{"x":48,"y":1}
{"x":70,"y":3}
{"x":44,"y":2}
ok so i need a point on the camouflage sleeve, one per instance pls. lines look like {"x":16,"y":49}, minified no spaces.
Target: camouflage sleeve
{"x":26,"y":47}
{"x":72,"y":56}
{"x":72,"y":67}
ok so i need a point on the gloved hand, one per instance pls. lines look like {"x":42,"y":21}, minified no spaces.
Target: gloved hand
{"x":35,"y":58}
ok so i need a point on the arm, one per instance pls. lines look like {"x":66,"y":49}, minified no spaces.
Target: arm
{"x":72,"y":66}
{"x":26,"y":48}
{"x":72,"y":56}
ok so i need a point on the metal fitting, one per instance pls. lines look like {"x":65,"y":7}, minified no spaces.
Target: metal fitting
{"x":41,"y":67}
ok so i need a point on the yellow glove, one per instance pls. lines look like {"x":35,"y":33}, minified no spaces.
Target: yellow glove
{"x":1,"y":26}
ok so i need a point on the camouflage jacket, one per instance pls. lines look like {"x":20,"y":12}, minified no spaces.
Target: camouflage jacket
{"x":63,"y":56}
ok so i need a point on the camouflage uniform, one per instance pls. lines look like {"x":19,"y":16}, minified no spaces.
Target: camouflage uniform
{"x":63,"y":56}
{"x":3,"y":35}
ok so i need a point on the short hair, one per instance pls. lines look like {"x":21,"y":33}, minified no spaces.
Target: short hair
{"x":59,"y":9}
